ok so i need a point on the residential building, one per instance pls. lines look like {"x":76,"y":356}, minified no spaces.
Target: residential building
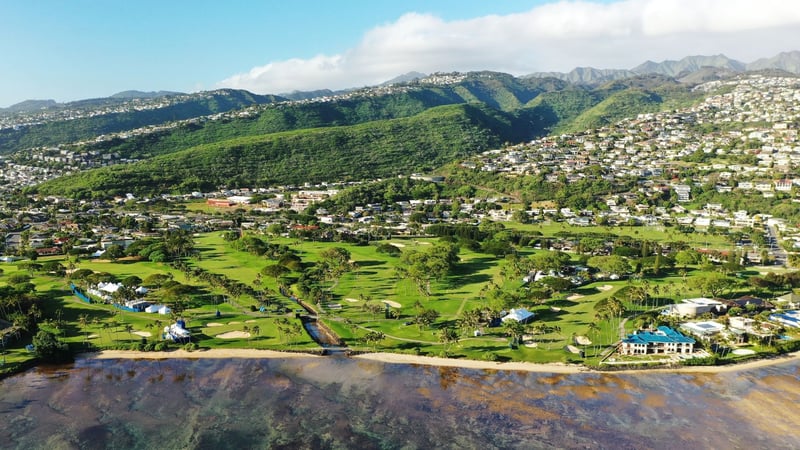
{"x":663,"y":340}
{"x":789,"y":318}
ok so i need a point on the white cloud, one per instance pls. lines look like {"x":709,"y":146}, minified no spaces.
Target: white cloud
{"x":555,"y":36}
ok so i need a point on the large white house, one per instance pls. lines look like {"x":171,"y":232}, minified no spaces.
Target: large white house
{"x":663,"y":340}
{"x":693,"y":307}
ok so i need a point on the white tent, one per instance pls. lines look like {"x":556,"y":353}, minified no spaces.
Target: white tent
{"x":108,"y":287}
{"x":519,"y":314}
{"x":153,"y":308}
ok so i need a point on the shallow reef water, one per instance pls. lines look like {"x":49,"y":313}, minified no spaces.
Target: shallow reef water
{"x":337,"y":402}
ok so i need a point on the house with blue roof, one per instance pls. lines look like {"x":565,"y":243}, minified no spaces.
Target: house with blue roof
{"x":788,"y":318}
{"x":661,"y":341}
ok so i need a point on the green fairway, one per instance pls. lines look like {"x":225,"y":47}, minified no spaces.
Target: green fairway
{"x":650,"y":233}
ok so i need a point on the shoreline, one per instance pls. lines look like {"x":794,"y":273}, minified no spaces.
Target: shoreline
{"x":402,"y":358}
{"x":562,"y":368}
{"x":228,"y":353}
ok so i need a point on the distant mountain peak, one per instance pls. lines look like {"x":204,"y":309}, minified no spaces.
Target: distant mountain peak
{"x":142,"y":94}
{"x":405,"y":78}
{"x":586,"y":75}
{"x":788,"y":61}
{"x":30,"y":105}
{"x":689,"y":64}
{"x":690,"y":69}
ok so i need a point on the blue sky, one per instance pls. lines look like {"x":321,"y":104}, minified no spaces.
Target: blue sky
{"x":69,"y":50}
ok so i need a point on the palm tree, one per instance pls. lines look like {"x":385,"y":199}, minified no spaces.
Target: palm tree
{"x":448,"y":336}
{"x":129,"y":329}
{"x":515,"y":329}
{"x":374,"y":337}
{"x":594,"y":329}
{"x":469,"y":320}
{"x":83,"y":321}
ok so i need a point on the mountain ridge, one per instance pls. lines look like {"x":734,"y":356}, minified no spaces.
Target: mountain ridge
{"x":788,"y":61}
{"x":682,"y":69}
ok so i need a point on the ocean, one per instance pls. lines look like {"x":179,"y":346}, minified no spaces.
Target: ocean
{"x":338,"y":402}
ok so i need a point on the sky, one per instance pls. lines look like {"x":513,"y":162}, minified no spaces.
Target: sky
{"x":77,"y":49}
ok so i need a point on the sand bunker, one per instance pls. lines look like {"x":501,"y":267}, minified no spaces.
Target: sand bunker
{"x":606,"y":287}
{"x":352,"y":300}
{"x":250,"y":321}
{"x":582,"y":340}
{"x":573,"y":349}
{"x":397,"y":244}
{"x":213,"y":324}
{"x":393,"y":304}
{"x":527,"y":341}
{"x":92,"y":336}
{"x":233,"y":335}
{"x":574,"y":297}
{"x":142,"y":333}
{"x":555,"y":309}
{"x":743,"y":351}
{"x":234,"y":322}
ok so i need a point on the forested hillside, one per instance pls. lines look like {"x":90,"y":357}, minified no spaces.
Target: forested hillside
{"x":498,"y":91}
{"x":52,"y":133}
{"x":365,"y":151}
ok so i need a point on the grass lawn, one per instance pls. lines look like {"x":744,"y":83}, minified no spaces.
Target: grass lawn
{"x":650,"y":233}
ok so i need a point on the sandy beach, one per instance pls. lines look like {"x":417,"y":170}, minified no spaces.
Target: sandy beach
{"x":399,"y":358}
{"x":566,"y":368}
{"x":755,"y":364}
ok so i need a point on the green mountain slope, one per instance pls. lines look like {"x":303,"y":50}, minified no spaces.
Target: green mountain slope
{"x":617,"y":106}
{"x":368,"y":135}
{"x":626,"y":100}
{"x":84,"y":128}
{"x":365,"y":151}
{"x":498,"y":91}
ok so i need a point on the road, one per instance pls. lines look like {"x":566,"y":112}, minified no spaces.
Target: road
{"x":777,"y":252}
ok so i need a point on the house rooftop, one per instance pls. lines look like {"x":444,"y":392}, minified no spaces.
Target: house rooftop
{"x":703,"y":328}
{"x":661,"y":335}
